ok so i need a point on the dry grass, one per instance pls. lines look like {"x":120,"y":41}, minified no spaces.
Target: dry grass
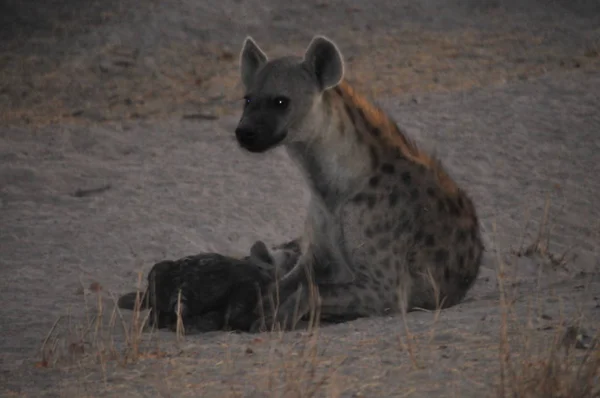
{"x":298,"y":369}
{"x":541,"y":244}
{"x":69,"y":342}
{"x":531,"y":363}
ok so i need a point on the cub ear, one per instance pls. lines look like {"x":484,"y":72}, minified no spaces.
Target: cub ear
{"x":251,"y":59}
{"x":260,"y":251}
{"x":325,"y":60}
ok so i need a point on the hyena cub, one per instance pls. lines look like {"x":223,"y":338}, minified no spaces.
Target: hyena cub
{"x":212,"y":291}
{"x":387,"y":228}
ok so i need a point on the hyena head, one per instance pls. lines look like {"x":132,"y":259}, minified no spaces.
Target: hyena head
{"x":282,"y":94}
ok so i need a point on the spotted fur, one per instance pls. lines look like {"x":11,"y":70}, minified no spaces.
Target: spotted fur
{"x":387,"y":228}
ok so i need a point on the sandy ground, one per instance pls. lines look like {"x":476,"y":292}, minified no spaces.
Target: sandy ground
{"x":116,"y":148}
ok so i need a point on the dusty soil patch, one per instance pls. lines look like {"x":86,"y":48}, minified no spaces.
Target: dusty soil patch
{"x":95,"y":61}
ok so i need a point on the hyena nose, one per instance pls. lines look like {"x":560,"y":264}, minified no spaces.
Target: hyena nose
{"x":245,"y":136}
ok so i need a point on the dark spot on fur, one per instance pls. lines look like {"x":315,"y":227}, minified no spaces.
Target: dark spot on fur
{"x":375,"y":131}
{"x":429,"y":240}
{"x":461,"y":236}
{"x":379,"y":274}
{"x":460,"y":261}
{"x":411,"y":257}
{"x":414,"y":195}
{"x":447,"y":274}
{"x":418,"y":212}
{"x":386,"y":263}
{"x":377,"y":229}
{"x":372,"y":251}
{"x":388,"y":168}
{"x":387,"y":226}
{"x":446,"y":229}
{"x":406,"y":178}
{"x":374,"y":156}
{"x":441,"y":256}
{"x":359,"y":198}
{"x":359,"y":137}
{"x":430,"y":192}
{"x":419,"y":236}
{"x":398,"y":153}
{"x":374,"y":181}
{"x":363,"y":278}
{"x":349,"y":113}
{"x":402,"y":228}
{"x":386,"y":286}
{"x":471,"y":255}
{"x":441,"y":205}
{"x":384,"y":243}
{"x":393,"y":197}
{"x":368,"y":232}
{"x":371,"y":200}
{"x":454,"y":210}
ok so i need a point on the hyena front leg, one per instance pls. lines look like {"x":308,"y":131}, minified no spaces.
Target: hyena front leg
{"x":340,"y":302}
{"x":295,"y":294}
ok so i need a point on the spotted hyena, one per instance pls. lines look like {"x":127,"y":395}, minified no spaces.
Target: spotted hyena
{"x":387,"y":228}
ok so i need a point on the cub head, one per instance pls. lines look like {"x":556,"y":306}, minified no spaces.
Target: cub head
{"x":282,"y":94}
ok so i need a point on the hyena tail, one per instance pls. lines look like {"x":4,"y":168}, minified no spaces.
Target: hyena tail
{"x":128,"y":301}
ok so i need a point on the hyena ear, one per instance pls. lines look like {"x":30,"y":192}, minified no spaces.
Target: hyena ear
{"x":324,"y":59}
{"x":251,"y":59}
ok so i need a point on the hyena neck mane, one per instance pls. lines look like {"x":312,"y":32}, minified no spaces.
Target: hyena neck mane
{"x":349,"y":140}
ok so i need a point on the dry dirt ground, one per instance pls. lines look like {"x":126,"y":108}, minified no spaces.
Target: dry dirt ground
{"x":116,"y":148}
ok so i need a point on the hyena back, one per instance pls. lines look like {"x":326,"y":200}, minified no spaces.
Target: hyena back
{"x":387,"y":228}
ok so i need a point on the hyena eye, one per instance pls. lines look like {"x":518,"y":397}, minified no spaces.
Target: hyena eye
{"x":247,"y":101}
{"x":281,"y":102}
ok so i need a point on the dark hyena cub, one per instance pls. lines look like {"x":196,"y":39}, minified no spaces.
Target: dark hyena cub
{"x":217,"y":292}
